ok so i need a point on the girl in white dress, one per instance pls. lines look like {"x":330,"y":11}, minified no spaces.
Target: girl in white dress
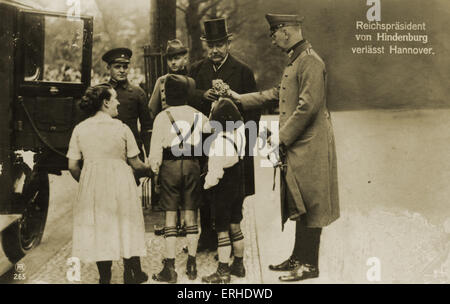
{"x":108,"y":220}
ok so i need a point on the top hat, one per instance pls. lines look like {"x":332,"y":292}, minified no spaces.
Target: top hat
{"x":277,"y":21}
{"x":175,"y":47}
{"x":215,"y":30}
{"x":178,"y":89}
{"x":118,"y":55}
{"x":225,"y":110}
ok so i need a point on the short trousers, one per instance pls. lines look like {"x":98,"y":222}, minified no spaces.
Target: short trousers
{"x":228,"y":198}
{"x":180,"y":184}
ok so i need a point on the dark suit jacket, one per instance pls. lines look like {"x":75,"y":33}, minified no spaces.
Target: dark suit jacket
{"x":240,"y":78}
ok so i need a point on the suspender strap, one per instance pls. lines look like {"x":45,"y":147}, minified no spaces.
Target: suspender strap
{"x":172,"y":121}
{"x":234,"y":144}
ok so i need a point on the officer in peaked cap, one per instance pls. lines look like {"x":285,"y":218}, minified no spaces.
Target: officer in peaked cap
{"x":277,"y":21}
{"x":120,"y":55}
{"x":133,"y":100}
{"x":309,"y":185}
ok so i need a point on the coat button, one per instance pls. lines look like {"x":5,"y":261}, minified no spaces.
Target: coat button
{"x":285,"y":75}
{"x":284,"y":88}
{"x":283,"y":100}
{"x":283,"y":113}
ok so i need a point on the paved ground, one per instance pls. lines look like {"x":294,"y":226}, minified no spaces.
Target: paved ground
{"x":394,"y":169}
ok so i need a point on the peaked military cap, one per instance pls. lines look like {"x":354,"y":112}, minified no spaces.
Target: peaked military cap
{"x":175,"y":47}
{"x":118,"y":55}
{"x":277,"y":21}
{"x":215,"y":30}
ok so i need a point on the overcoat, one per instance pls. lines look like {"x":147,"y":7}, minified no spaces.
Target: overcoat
{"x":240,"y":78}
{"x":307,"y":133}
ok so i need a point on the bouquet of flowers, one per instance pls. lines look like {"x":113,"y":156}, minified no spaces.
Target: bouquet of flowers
{"x":221,"y":88}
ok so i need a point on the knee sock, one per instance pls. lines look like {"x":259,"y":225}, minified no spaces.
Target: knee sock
{"x":170,"y":234}
{"x":192,"y":238}
{"x":224,"y":249}
{"x":238,"y":243}
{"x":104,"y":269}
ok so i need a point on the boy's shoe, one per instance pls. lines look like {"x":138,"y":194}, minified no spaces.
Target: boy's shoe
{"x":217,"y":278}
{"x":140,"y":278}
{"x":221,"y":276}
{"x":167,"y":274}
{"x":191,"y":270}
{"x":237,"y":269}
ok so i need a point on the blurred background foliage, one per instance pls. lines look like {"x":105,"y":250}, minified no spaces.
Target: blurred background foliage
{"x":355,"y":81}
{"x":126,"y":23}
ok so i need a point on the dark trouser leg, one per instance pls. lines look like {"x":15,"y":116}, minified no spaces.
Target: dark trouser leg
{"x":104,"y":269}
{"x":307,"y":243}
{"x":208,"y":238}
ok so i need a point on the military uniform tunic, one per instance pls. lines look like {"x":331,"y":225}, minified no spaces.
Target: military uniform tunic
{"x":133,"y":106}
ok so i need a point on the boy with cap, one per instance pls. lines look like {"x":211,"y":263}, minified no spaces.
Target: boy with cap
{"x":225,"y":183}
{"x":177,"y":130}
{"x":176,"y":56}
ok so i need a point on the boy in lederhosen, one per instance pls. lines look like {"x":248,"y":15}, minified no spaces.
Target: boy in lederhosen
{"x":225,"y":181}
{"x":176,"y":131}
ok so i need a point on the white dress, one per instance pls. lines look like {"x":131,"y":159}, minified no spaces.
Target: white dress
{"x":108,"y":223}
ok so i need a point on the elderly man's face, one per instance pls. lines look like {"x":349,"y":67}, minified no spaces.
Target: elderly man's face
{"x":218,"y":50}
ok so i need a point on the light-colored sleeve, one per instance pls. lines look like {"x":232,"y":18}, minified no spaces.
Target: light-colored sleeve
{"x":258,"y":100}
{"x":154,"y":105}
{"x":74,"y":151}
{"x":156,"y":145}
{"x":215,"y":167}
{"x":131,"y":145}
{"x":311,"y":85}
{"x":241,"y":142}
{"x":215,"y":172}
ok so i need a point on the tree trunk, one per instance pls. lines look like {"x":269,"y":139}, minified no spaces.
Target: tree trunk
{"x":194,"y":30}
{"x":162,"y":23}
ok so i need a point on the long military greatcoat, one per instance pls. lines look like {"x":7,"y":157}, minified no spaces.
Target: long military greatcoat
{"x":307,"y":133}
{"x":240,"y":78}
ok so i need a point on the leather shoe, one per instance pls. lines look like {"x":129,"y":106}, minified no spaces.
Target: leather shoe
{"x":302,"y":272}
{"x":290,"y":264}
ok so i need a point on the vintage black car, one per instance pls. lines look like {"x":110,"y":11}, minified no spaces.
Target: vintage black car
{"x":41,"y":80}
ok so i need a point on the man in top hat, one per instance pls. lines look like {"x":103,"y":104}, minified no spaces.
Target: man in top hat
{"x":309,"y":188}
{"x":220,"y":64}
{"x":133,"y":100}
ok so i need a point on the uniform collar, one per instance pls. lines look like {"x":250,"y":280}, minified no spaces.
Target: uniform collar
{"x":121,"y":84}
{"x":297,"y":49}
